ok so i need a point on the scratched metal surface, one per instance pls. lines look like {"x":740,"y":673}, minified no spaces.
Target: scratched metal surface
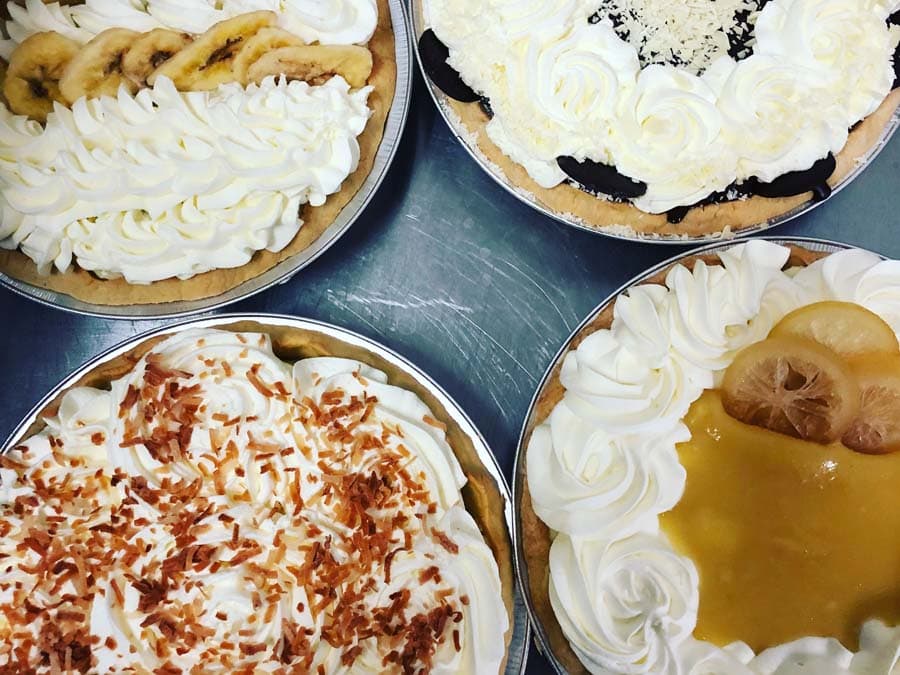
{"x":450,"y":271}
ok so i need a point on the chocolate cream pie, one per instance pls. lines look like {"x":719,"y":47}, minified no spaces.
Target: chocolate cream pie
{"x":201,"y":505}
{"x":654,"y":118}
{"x":710,"y":473}
{"x":160,"y":151}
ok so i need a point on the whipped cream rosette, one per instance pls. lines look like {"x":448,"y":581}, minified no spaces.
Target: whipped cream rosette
{"x":598,"y":463}
{"x":652,"y":118}
{"x":199,"y":502}
{"x":162,"y":151}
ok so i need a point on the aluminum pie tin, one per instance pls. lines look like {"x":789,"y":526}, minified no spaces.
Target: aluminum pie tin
{"x":339,"y":342}
{"x":540,"y":631}
{"x":466,"y":139}
{"x":285,"y":270}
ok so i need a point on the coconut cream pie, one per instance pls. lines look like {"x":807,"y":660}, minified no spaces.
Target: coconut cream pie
{"x":712,"y":470}
{"x":217,"y":509}
{"x":187,"y":145}
{"x":654,"y":117}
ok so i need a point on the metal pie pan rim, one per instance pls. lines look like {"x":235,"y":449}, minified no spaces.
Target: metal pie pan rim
{"x":417,"y":22}
{"x":517,"y":651}
{"x":288,"y":268}
{"x":540,"y":637}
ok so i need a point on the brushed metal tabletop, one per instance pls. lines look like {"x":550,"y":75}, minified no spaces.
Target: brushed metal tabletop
{"x":450,"y":271}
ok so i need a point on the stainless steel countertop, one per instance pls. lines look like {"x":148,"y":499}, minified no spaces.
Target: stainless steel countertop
{"x":450,"y":271}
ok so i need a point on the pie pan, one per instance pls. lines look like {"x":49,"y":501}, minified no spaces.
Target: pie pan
{"x":201,"y":296}
{"x":486,"y":494}
{"x":569,"y":205}
{"x":531,"y":535}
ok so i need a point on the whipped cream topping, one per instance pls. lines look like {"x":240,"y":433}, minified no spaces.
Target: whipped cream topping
{"x":172,"y":184}
{"x":562,"y":86}
{"x":604,"y":466}
{"x":220,"y":508}
{"x":324,"y":21}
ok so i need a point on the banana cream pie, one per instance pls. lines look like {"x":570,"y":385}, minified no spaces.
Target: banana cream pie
{"x":158,"y":151}
{"x":711,"y":473}
{"x":207,"y":507}
{"x":668,"y":118}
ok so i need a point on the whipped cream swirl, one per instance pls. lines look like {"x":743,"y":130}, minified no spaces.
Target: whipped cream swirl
{"x":237,"y":512}
{"x":624,"y":605}
{"x":324,"y":21}
{"x":170,"y":184}
{"x":594,"y":482}
{"x":561,"y":86}
{"x":669,"y":135}
{"x":603,"y":466}
{"x":773,"y":110}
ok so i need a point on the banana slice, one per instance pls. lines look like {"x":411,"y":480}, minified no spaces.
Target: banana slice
{"x":36,"y":66}
{"x":97,"y":68}
{"x":207,"y":62}
{"x":315,"y":64}
{"x":266,"y":40}
{"x":150,"y":51}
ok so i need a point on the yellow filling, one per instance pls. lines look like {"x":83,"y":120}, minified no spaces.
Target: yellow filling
{"x":790,"y":538}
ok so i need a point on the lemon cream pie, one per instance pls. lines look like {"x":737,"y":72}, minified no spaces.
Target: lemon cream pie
{"x":711,"y":472}
{"x":187,"y":145}
{"x":668,"y":117}
{"x":217,"y":509}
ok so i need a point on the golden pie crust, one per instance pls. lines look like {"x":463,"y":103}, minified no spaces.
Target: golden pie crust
{"x":536,"y":536}
{"x":84,"y":286}
{"x":624,"y":219}
{"x":483,"y":500}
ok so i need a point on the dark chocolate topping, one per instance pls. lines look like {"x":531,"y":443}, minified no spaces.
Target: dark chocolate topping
{"x":434,"y":55}
{"x":814,"y":178}
{"x":894,"y":19}
{"x":676,"y":215}
{"x":896,"y":68}
{"x":596,"y":177}
{"x":729,"y":194}
{"x":485,"y":104}
{"x":741,"y":35}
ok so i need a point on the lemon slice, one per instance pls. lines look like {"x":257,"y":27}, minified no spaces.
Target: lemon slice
{"x":844,"y":327}
{"x":793,"y":386}
{"x":876,"y":429}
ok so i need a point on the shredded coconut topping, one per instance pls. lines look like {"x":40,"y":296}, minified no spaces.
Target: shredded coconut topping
{"x":211,"y":509}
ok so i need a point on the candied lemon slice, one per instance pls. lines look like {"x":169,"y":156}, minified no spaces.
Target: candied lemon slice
{"x":876,"y":429}
{"x":793,"y":386}
{"x":844,"y":327}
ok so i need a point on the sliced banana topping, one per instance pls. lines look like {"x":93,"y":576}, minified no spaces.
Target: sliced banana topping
{"x":49,"y":67}
{"x":35,"y":69}
{"x":208,"y":61}
{"x":150,"y":51}
{"x":96,"y":70}
{"x":266,"y":40}
{"x":315,"y":64}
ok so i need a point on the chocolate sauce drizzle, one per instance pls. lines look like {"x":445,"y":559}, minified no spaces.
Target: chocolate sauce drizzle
{"x":894,"y":20}
{"x":814,"y":178}
{"x":732,"y":193}
{"x":434,"y":54}
{"x":602,"y":178}
{"x":896,"y":68}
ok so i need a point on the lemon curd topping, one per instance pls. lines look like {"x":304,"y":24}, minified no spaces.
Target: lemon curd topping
{"x":790,"y":538}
